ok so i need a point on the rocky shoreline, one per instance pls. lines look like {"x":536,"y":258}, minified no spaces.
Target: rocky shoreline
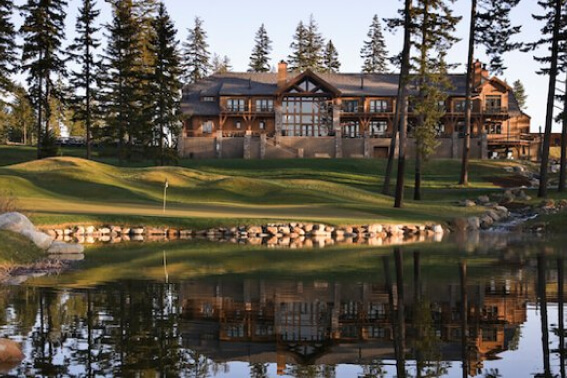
{"x":295,"y":235}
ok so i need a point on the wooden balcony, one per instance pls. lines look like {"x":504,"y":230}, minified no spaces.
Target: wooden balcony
{"x":247,"y":110}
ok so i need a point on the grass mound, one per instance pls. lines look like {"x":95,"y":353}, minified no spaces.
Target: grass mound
{"x":17,"y":250}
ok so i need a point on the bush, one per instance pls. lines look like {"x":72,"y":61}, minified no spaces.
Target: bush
{"x":49,"y":146}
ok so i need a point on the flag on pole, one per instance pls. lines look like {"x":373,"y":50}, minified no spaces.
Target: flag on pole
{"x":166,"y":183}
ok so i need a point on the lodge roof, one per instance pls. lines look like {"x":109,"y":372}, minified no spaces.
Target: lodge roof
{"x":265,"y":84}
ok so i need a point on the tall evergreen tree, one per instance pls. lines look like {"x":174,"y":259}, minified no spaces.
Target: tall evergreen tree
{"x":331,"y":58}
{"x":314,"y":45}
{"x":551,"y":38}
{"x":8,"y":46}
{"x":196,"y":54}
{"x":520,"y":93}
{"x":260,"y":57}
{"x":297,"y":60}
{"x":166,"y":80}
{"x":374,"y":51}
{"x":435,"y":26}
{"x":121,"y":70}
{"x":21,"y":119}
{"x":43,"y":31}
{"x":220,"y":65}
{"x":83,"y":51}
{"x":491,"y":28}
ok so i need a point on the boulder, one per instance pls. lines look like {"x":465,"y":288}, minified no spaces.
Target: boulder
{"x":41,"y":240}
{"x":483,"y":200}
{"x":10,"y":352}
{"x":15,"y":222}
{"x":58,"y":248}
{"x":473,"y":223}
{"x":90,"y":230}
{"x":376,"y":228}
{"x":437,"y":229}
{"x":486,"y":222}
{"x":468,"y":203}
{"x":460,"y":224}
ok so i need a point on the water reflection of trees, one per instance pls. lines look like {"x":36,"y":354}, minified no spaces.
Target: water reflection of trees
{"x":139,"y":328}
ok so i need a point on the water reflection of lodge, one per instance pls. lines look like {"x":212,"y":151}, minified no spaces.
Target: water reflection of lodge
{"x":333,"y":323}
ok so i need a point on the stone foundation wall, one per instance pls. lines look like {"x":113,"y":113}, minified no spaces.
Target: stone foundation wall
{"x":257,"y":147}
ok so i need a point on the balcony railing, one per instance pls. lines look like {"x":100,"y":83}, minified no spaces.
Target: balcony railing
{"x":495,"y":110}
{"x":247,"y":109}
{"x":362,"y":110}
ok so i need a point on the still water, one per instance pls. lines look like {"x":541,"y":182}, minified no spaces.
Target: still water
{"x":488,"y":307}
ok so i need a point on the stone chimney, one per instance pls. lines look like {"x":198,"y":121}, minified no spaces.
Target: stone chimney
{"x":282,"y":74}
{"x":480,"y":73}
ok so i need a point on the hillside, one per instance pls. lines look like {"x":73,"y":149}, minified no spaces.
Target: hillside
{"x":68,"y":189}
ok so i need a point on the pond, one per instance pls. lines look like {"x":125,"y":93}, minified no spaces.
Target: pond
{"x":486,"y":306}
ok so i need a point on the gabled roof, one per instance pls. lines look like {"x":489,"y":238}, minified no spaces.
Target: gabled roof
{"x":340,"y":84}
{"x":309,"y":75}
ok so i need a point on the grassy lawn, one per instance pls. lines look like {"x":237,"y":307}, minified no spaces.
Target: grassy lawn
{"x":17,"y":250}
{"x":204,"y":193}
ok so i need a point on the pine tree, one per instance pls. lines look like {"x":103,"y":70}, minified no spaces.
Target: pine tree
{"x":331,"y":58}
{"x":122,"y":82}
{"x":520,"y":94}
{"x":491,"y":28}
{"x":83,"y":79}
{"x":434,"y":28}
{"x":166,"y":80}
{"x":20,"y":117}
{"x":196,"y":54}
{"x":552,"y":34}
{"x":43,"y":33}
{"x":7,"y":46}
{"x":374,"y":51}
{"x":260,"y":58}
{"x":314,"y":45}
{"x":220,"y":65}
{"x":297,"y":60}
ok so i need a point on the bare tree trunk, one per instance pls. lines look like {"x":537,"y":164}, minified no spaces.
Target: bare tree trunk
{"x":542,"y":192}
{"x":561,"y":314}
{"x":464,"y":180}
{"x":464,"y":318}
{"x":402,"y":101}
{"x":417,"y":179}
{"x":401,"y":336}
{"x":88,"y":104}
{"x":563,"y":164}
{"x":542,"y":294}
{"x":392,"y":150}
{"x":39,"y":107}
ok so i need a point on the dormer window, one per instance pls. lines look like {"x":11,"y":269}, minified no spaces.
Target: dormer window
{"x":208,"y":99}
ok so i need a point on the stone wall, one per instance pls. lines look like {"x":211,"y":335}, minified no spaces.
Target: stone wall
{"x":256,"y":147}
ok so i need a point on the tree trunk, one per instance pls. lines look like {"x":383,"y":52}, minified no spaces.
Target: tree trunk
{"x":542,"y":192}
{"x":563,"y":164}
{"x":464,"y":318}
{"x":542,"y":294}
{"x":39,"y":107}
{"x":464,"y":180}
{"x":392,"y":150}
{"x":417,"y":179}
{"x":402,"y":102}
{"x":88,"y":101}
{"x":401,"y":336}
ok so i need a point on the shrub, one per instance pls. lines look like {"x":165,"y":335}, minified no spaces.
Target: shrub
{"x":8,"y":202}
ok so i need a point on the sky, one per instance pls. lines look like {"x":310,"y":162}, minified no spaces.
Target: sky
{"x":232,"y":25}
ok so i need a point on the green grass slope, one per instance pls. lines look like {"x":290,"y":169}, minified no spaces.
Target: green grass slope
{"x":17,"y":250}
{"x":234,"y":191}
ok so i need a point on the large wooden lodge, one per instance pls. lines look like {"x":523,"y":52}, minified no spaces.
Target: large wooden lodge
{"x":306,"y":114}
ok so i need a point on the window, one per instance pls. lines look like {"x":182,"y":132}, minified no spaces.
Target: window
{"x":236,"y":104}
{"x":207,"y":127}
{"x":493,"y":128}
{"x":208,"y":99}
{"x":351,"y":129}
{"x":262,"y":125}
{"x":237,"y":124}
{"x":493,"y":103}
{"x":440,"y":128}
{"x":378,"y":128}
{"x":350,"y":106}
{"x":459,"y":106}
{"x":378,"y":106}
{"x":265,"y":105}
{"x":441,"y":105}
{"x":306,"y":115}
